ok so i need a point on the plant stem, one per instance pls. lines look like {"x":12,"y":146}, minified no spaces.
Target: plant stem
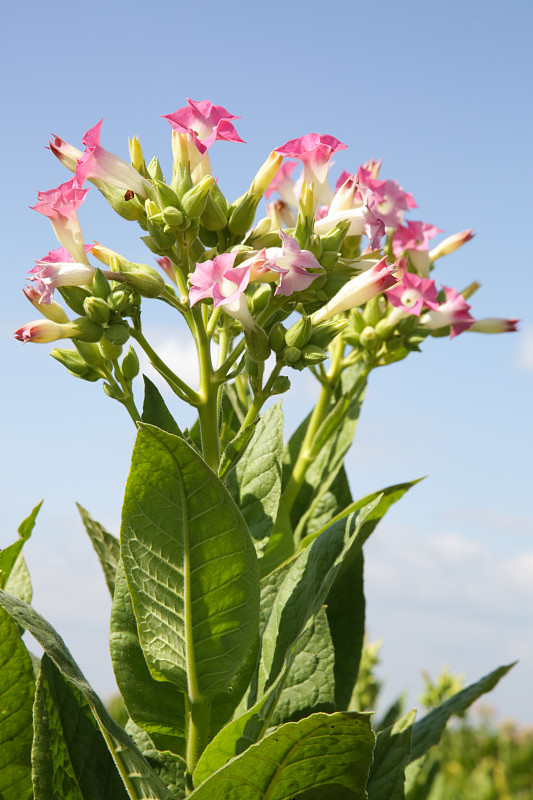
{"x":207,"y":395}
{"x":197,"y":735}
{"x":178,"y":386}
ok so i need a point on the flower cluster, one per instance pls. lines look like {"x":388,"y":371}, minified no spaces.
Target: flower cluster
{"x":344,"y":259}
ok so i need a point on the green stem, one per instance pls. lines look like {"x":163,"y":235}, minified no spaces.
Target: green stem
{"x":261,"y":397}
{"x":207,"y":394}
{"x":197,"y":735}
{"x":178,"y":386}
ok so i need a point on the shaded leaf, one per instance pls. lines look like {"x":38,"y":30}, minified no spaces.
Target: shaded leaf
{"x":106,"y":545}
{"x":190,"y":564}
{"x":155,"y":411}
{"x":391,"y":756}
{"x":170,"y":769}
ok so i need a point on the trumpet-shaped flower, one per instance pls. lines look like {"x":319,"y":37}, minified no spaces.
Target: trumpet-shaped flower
{"x":52,"y":311}
{"x":220,"y":281}
{"x":358,"y":290}
{"x":66,"y":153}
{"x":60,"y":206}
{"x":412,"y":293}
{"x":204,"y":123}
{"x":451,"y":243}
{"x":494,"y":325}
{"x":414,"y":240}
{"x":364,"y":219}
{"x":314,"y":151}
{"x":391,"y":199}
{"x":42,"y":331}
{"x":97,"y":163}
{"x":283,"y":184}
{"x":49,"y":275}
{"x":291,"y":263}
{"x":454,"y":312}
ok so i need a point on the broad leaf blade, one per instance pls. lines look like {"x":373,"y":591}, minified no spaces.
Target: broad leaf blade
{"x":324,"y":752}
{"x":26,"y":527}
{"x":190,"y":564}
{"x":391,"y":756}
{"x":170,"y":769}
{"x":17,"y":688}
{"x":255,"y":483}
{"x":129,"y":761}
{"x":155,"y":411}
{"x":70,"y":756}
{"x":158,"y":707}
{"x":106,"y":545}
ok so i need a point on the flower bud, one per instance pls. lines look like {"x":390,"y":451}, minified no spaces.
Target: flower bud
{"x":215,"y":214}
{"x":122,"y":300}
{"x":299,"y":333}
{"x":90,"y":352}
{"x":97,"y":310}
{"x":333,"y":240}
{"x":52,"y":311}
{"x":291,"y":355}
{"x":74,"y":297}
{"x":281,"y":385}
{"x":117,"y":333}
{"x":276,"y":337}
{"x":257,"y":343}
{"x":154,"y":170}
{"x":146,"y":280}
{"x":113,"y":392}
{"x":125,"y":206}
{"x":166,"y":196}
{"x":174,"y":219}
{"x":136,"y":156}
{"x":86,"y":330}
{"x":372,"y":311}
{"x":195,"y":199}
{"x":108,"y":350}
{"x":450,"y":244}
{"x":311,"y":354}
{"x":100,"y":285}
{"x":260,"y":298}
{"x":367,"y":337}
{"x":130,"y":365}
{"x":75,"y":364}
{"x":242,"y":213}
{"x":266,"y":174}
{"x":322,"y":335}
{"x":494,"y":325}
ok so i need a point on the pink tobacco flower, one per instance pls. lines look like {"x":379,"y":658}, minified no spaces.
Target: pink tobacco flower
{"x":358,"y":290}
{"x":168,"y":267}
{"x":220,"y":281}
{"x":49,"y":275}
{"x":98,"y":163}
{"x":284,"y":184}
{"x":291,"y":263}
{"x":391,"y":199}
{"x":65,"y":152}
{"x":60,"y":206}
{"x":454,"y":312}
{"x":494,"y":325}
{"x":52,"y":311}
{"x":414,"y":236}
{"x":412,"y":293}
{"x":451,"y":243}
{"x":364,"y":219}
{"x":204,"y":123}
{"x":314,"y":151}
{"x":41,"y":331}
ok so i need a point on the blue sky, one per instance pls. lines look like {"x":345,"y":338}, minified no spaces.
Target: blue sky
{"x":440,"y":92}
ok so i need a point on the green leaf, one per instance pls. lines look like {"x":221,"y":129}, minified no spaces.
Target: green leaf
{"x":70,"y":757}
{"x":158,"y":707}
{"x":190,"y":564}
{"x":106,"y":545}
{"x":310,"y":683}
{"x":19,"y":581}
{"x":428,"y":730}
{"x":145,"y":783}
{"x":330,"y":503}
{"x":9,"y":556}
{"x":17,"y":688}
{"x":255,"y":483}
{"x":305,"y":587}
{"x":327,"y":753}
{"x":155,"y":411}
{"x":391,"y":756}
{"x":280,"y":545}
{"x":170,"y":769}
{"x":346,"y":600}
{"x":26,"y":527}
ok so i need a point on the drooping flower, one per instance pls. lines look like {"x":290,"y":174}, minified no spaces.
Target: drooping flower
{"x":52,"y":310}
{"x":454,"y":312}
{"x":49,"y":275}
{"x":314,"y":151}
{"x":291,"y":263}
{"x":60,"y":206}
{"x":204,"y":122}
{"x":412,"y":293}
{"x":358,"y":290}
{"x":100,"y":164}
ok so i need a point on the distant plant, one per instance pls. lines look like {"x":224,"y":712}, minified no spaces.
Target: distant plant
{"x":237,"y":622}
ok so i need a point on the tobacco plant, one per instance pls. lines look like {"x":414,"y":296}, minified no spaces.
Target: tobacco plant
{"x":238,"y":611}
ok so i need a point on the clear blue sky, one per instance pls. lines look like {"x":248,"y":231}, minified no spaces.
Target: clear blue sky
{"x":442,"y":93}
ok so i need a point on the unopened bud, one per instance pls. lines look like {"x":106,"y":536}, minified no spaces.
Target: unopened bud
{"x":130,"y":365}
{"x":136,"y":156}
{"x":299,"y":333}
{"x":100,"y":285}
{"x":367,"y":337}
{"x":291,"y":354}
{"x":154,"y":170}
{"x":113,"y":392}
{"x":276,"y":337}
{"x":215,"y":214}
{"x":281,"y":385}
{"x":322,"y":335}
{"x":257,"y":343}
{"x":266,"y":174}
{"x":195,"y":199}
{"x":494,"y":325}
{"x":86,"y":330}
{"x":74,"y":297}
{"x":146,"y":280}
{"x":75,"y":364}
{"x":174,"y":218}
{"x":450,"y":244}
{"x":97,"y":310}
{"x":125,"y":204}
{"x":260,"y":298}
{"x":242,"y":213}
{"x":90,"y":352}
{"x":311,"y":354}
{"x":117,"y":333}
{"x":372,"y":311}
{"x":108,"y":350}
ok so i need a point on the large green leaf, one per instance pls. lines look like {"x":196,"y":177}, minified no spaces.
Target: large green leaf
{"x":255,"y":482}
{"x":305,"y":587}
{"x":170,"y":769}
{"x":106,"y":545}
{"x":70,"y":757}
{"x":144,"y":782}
{"x":324,"y":755}
{"x":280,"y":545}
{"x":428,"y":730}
{"x":17,"y":688}
{"x":190,"y":564}
{"x":391,"y":756}
{"x":156,"y":706}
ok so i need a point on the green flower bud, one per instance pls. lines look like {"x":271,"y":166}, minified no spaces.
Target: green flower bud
{"x":329,"y":259}
{"x":332,"y":241}
{"x":299,"y":333}
{"x":75,"y":364}
{"x":97,"y":310}
{"x":372,"y":311}
{"x":291,"y":354}
{"x":120,"y":300}
{"x":195,"y":199}
{"x":257,"y":343}
{"x":126,"y":204}
{"x":130,"y":365}
{"x":311,"y":354}
{"x":181,"y":179}
{"x":100,"y":285}
{"x":208,"y":237}
{"x":276,"y":337}
{"x":110,"y":351}
{"x":242,"y":213}
{"x":90,"y":352}
{"x":166,"y":196}
{"x":367,"y":337}
{"x":281,"y":385}
{"x":215,"y":215}
{"x":260,"y":298}
{"x":323,"y":334}
{"x":118,"y":333}
{"x":174,"y":218}
{"x":352,"y":338}
{"x":146,"y":280}
{"x":113,"y":392}
{"x":86,"y":330}
{"x":74,"y":297}
{"x":154,"y":170}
